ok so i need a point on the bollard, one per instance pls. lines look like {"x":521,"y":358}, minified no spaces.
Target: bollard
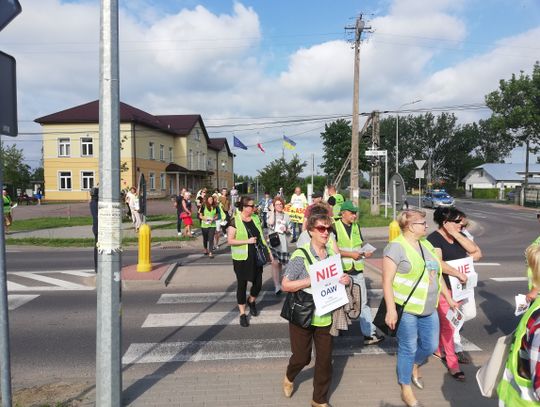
{"x":144,"y":264}
{"x":393,"y":230}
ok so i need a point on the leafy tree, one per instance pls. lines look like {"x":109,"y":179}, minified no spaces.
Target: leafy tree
{"x":16,"y":172}
{"x":319,"y":182}
{"x":280,"y":173}
{"x":37,"y":174}
{"x":516,"y":110}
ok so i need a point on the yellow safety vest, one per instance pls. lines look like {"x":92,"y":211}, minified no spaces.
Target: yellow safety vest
{"x":326,"y":319}
{"x":208,"y":214}
{"x":404,"y":283}
{"x":349,"y":244}
{"x":336,"y":209}
{"x":529,"y":271}
{"x":240,"y":252}
{"x":514,"y":390}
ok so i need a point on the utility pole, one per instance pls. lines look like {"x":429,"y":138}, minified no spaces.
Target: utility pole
{"x":355,"y":138}
{"x":375,"y":166}
{"x":108,"y":341}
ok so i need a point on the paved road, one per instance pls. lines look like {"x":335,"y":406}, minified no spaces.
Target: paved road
{"x":183,"y":342}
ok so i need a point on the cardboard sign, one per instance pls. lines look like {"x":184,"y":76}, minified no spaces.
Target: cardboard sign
{"x":296,"y":214}
{"x":461,"y":291}
{"x":328,"y":292}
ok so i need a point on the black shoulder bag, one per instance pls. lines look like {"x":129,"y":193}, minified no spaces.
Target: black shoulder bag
{"x":379,"y":320}
{"x":261,"y":251}
{"x":299,"y":306}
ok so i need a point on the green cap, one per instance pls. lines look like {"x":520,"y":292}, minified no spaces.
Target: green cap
{"x":348,"y":206}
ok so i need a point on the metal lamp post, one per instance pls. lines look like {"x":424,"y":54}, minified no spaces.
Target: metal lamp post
{"x":397,"y":130}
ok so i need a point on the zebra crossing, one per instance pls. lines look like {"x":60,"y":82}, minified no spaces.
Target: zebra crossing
{"x":254,"y":342}
{"x":49,"y":280}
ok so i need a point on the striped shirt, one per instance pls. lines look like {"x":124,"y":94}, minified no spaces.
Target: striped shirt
{"x":529,"y":353}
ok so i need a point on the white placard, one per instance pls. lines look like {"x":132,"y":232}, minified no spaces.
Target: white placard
{"x":456,"y":318}
{"x":466,"y":266}
{"x":367,"y":248}
{"x":110,"y":226}
{"x":521,"y":304}
{"x":419,"y":174}
{"x":328,"y":292}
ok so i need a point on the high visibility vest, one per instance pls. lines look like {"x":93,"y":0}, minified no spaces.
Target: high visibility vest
{"x":404,"y":283}
{"x":326,"y":319}
{"x":7,"y":204}
{"x":350,"y":244}
{"x":514,"y":390}
{"x":240,"y":252}
{"x":529,"y":271}
{"x":208,"y":214}
{"x":336,"y":209}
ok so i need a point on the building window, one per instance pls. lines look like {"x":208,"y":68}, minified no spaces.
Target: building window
{"x":190,"y":160}
{"x":198,"y":160}
{"x":197,"y":135}
{"x":151,"y":150}
{"x":152,"y":181}
{"x":161,"y":152}
{"x":203,"y":161}
{"x":224,"y":166}
{"x":162,"y":181}
{"x":87,"y":147}
{"x":64,"y":180}
{"x":64,"y":147}
{"x":171,"y":155}
{"x":87,"y":180}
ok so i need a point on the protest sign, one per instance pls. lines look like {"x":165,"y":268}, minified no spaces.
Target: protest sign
{"x":295,"y":214}
{"x":461,"y":291}
{"x":328,"y":292}
{"x":521,"y":304}
{"x":456,"y":318}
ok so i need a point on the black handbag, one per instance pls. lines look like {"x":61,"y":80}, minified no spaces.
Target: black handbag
{"x":379,"y":320}
{"x":261,"y":251}
{"x":298,"y":307}
{"x":273,"y":238}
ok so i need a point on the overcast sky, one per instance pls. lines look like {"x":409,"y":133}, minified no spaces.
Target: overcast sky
{"x":260,"y":63}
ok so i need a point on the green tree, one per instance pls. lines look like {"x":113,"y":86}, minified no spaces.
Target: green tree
{"x":282,"y":173}
{"x":37,"y":174}
{"x":16,"y":172}
{"x":516,"y":110}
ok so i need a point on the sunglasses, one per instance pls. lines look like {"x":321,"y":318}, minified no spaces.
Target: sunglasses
{"x":322,"y":229}
{"x":456,"y":221}
{"x":250,"y":206}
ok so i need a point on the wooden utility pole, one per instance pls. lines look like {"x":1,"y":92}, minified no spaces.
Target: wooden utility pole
{"x":355,"y":138}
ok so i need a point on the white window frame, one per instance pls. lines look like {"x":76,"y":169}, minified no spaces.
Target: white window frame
{"x":87,"y":177}
{"x":68,"y":179}
{"x":64,"y":147}
{"x":163,"y":181}
{"x":171,"y":155}
{"x":203,"y":161}
{"x":161,"y":152}
{"x":152,"y":181}
{"x":87,"y":143}
{"x":151,"y":152}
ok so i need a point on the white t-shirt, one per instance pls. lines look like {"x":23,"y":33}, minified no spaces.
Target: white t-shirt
{"x":298,"y":201}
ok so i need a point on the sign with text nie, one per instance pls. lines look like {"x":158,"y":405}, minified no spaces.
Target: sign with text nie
{"x":328,"y":292}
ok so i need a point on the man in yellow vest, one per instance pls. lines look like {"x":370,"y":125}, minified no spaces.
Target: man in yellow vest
{"x":349,"y":241}
{"x":335,"y":200}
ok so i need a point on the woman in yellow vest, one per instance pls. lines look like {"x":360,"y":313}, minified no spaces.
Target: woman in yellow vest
{"x":409,"y":259}
{"x":208,"y":217}
{"x":296,"y":277}
{"x":520,"y":384}
{"x":243,"y":234}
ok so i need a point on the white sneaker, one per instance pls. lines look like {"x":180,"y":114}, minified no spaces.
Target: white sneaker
{"x":179,"y":234}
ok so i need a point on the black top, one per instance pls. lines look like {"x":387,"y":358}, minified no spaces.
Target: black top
{"x":348,"y":229}
{"x":246,"y":269}
{"x":450,"y":251}
{"x":179,"y":208}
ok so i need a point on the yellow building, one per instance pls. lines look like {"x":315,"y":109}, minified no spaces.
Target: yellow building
{"x":171,"y":151}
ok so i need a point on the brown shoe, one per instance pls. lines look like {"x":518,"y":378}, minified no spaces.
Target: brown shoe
{"x":288,"y":387}
{"x":315,"y":404}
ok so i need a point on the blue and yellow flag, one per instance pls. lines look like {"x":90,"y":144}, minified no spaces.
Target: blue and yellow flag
{"x":288,"y":143}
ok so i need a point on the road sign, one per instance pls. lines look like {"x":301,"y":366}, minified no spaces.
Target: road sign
{"x":419,"y":174}
{"x":420,"y":164}
{"x":399,"y":190}
{"x":8,"y":11}
{"x":8,"y":96}
{"x":375,"y":153}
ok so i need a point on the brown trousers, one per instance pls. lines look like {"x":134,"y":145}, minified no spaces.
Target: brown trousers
{"x":301,"y":341}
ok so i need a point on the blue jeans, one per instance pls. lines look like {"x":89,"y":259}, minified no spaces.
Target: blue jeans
{"x":418,"y":338}
{"x":366,"y":320}
{"x":296,"y":233}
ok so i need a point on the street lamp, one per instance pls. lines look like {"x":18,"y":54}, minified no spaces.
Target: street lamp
{"x":397,"y":130}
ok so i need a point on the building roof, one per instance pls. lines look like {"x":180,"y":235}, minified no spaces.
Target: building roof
{"x":508,"y":172}
{"x":218,"y":143}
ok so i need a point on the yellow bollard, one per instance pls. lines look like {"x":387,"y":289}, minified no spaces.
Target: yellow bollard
{"x":393,"y":230}
{"x":144,"y":264}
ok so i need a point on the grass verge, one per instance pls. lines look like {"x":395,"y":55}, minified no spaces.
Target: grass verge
{"x":80,"y":242}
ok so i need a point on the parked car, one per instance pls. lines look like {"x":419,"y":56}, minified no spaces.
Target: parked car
{"x":511,"y":195}
{"x":436,"y":198}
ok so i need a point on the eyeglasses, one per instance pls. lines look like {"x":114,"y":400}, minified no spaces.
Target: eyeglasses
{"x":250,"y":206}
{"x":420,"y":223}
{"x":322,"y":229}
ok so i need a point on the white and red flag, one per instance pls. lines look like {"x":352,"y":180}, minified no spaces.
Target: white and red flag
{"x":260,"y":147}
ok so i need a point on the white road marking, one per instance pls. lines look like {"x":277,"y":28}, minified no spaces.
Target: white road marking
{"x":11,"y":286}
{"x":49,"y":280}
{"x":79,"y":273}
{"x":508,"y":279}
{"x":196,"y":351}
{"x":16,"y":300}
{"x":84,"y":271}
{"x":487,"y":264}
{"x":180,"y":319}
